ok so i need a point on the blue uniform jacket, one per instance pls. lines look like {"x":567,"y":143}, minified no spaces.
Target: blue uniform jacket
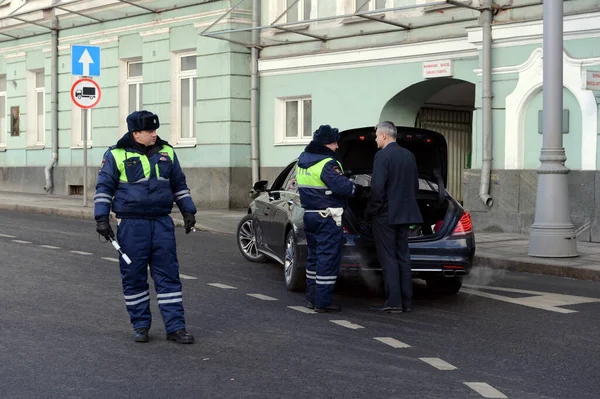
{"x":339,"y":186}
{"x":147,"y":199}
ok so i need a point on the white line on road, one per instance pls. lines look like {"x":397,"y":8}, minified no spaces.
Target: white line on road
{"x":112,"y":259}
{"x":485,"y":390}
{"x":303,"y":309}
{"x":394,"y":343}
{"x":347,"y":324}
{"x":22,"y":242}
{"x":219,"y":285}
{"x":186,"y":277}
{"x":80,"y":253}
{"x":437,"y":363}
{"x":7,"y":236}
{"x":49,"y":247}
{"x":263,"y":297}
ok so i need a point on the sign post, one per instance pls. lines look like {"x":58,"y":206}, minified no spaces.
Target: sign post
{"x":85,"y":93}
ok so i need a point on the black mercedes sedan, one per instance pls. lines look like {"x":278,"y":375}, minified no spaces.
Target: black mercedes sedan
{"x":441,"y":248}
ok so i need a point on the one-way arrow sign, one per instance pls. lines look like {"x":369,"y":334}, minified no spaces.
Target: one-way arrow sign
{"x":85,"y":60}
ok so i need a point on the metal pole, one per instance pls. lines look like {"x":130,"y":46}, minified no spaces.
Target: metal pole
{"x":254,"y":106}
{"x":486,"y":103}
{"x":552,"y":233}
{"x":49,"y":169}
{"x":85,"y":162}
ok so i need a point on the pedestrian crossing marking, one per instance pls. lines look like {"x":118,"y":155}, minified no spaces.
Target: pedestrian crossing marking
{"x":302,"y":309}
{"x":539,"y":300}
{"x":7,"y":236}
{"x":437,"y":363}
{"x":22,"y":242}
{"x":49,"y":247}
{"x":219,"y":285}
{"x":186,"y":277}
{"x":262,"y":297}
{"x":81,"y":253}
{"x":112,"y":259}
{"x":394,"y":343}
{"x":347,"y":324}
{"x":485,"y":390}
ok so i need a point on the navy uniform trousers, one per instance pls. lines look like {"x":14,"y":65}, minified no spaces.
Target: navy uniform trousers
{"x":324,"y":239}
{"x":151,"y":243}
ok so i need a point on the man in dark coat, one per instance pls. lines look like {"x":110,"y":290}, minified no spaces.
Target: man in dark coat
{"x":393,"y":208}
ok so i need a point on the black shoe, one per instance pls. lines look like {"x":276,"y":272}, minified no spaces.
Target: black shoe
{"x":309,"y":305}
{"x":406,"y":310}
{"x":141,"y":335}
{"x":387,"y":309}
{"x":181,"y":337}
{"x":329,"y":309}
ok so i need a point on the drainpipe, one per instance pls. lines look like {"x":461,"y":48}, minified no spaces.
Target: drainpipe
{"x":48,"y":171}
{"x":486,"y":167}
{"x":254,"y":106}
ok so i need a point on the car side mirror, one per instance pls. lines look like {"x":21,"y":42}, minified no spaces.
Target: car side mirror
{"x":261,"y":186}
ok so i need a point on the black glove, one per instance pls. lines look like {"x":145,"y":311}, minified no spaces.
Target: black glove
{"x":189,"y":221}
{"x":103,"y":228}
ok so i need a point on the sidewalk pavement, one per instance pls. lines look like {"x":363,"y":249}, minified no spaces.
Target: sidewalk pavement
{"x":495,"y":250}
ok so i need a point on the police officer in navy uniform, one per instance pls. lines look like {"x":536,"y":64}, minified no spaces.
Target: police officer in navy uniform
{"x":323,"y":190}
{"x":140,"y":178}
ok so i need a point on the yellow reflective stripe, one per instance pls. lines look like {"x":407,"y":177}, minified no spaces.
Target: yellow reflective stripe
{"x":121,"y":155}
{"x":311,"y":177}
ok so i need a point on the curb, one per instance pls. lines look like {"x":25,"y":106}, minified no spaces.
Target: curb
{"x":87,"y":214}
{"x":537,"y":268}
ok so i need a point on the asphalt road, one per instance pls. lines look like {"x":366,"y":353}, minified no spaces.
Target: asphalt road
{"x":65,"y":331}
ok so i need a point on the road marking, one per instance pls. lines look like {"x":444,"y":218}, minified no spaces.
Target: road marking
{"x":80,"y":253}
{"x":263,"y":297}
{"x":186,"y":277}
{"x":394,"y":343}
{"x":7,"y":236}
{"x":347,"y":324}
{"x":22,"y":242}
{"x":111,"y":259}
{"x":539,"y":300}
{"x":485,"y":390}
{"x":219,"y":285}
{"x":437,"y":363}
{"x":303,"y":309}
{"x":49,"y":247}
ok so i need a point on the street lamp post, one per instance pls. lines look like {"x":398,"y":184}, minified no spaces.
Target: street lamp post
{"x":552,"y":233}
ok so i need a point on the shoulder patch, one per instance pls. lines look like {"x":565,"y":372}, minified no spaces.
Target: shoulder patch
{"x":337,"y":170}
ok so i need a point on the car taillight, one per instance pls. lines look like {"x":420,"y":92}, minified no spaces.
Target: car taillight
{"x":464,"y":225}
{"x":345,"y":230}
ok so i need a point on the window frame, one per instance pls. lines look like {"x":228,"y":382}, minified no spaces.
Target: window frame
{"x":371,"y":6}
{"x":39,"y":90}
{"x":302,"y":10}
{"x":138,"y":81}
{"x":281,"y":120}
{"x":4,"y":127}
{"x":192,"y":76}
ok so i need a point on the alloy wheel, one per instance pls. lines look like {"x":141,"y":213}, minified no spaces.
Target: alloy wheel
{"x":290,"y":250}
{"x":247,"y":239}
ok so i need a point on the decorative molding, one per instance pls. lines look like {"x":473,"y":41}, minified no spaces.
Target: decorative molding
{"x":204,"y":24}
{"x":15,"y":55}
{"x":529,"y":85}
{"x":160,"y":31}
{"x":105,"y":40}
{"x":399,"y":54}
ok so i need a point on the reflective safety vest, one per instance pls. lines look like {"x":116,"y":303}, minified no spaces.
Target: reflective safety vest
{"x":122,"y":156}
{"x":311,"y":177}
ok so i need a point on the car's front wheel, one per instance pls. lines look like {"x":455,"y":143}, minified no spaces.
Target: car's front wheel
{"x":294,"y":277}
{"x":247,"y":240}
{"x":446,"y":285}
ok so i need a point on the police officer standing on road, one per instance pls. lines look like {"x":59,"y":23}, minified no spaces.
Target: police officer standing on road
{"x":140,"y":177}
{"x":323,"y":192}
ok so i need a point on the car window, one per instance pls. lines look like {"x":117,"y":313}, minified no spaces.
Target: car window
{"x":291,"y":183}
{"x":279,"y":182}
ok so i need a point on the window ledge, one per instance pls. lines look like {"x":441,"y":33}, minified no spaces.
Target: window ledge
{"x":36,"y":147}
{"x":353,"y":20}
{"x":445,"y":6}
{"x":293,"y":27}
{"x":80,"y":146}
{"x":2,"y":148}
{"x":185,"y":144}
{"x":288,"y":143}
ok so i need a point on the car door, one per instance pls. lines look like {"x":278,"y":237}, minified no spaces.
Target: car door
{"x":281,"y":210}
{"x":271,"y":202}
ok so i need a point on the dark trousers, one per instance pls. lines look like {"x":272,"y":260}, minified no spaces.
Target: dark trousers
{"x":151,"y":242}
{"x":324,"y":241}
{"x":391,"y":243}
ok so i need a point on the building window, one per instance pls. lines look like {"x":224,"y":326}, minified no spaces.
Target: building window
{"x":299,"y":11}
{"x":85,"y":128}
{"x":186,"y":80}
{"x":40,"y":108}
{"x":134,"y":86}
{"x":372,"y":5}
{"x":3,"y":111}
{"x":296,"y":119}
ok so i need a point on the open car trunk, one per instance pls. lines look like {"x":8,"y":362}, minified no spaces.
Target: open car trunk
{"x":357,"y":152}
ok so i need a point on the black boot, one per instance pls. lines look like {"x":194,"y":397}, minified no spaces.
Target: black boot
{"x":329,"y":309}
{"x":141,"y":335}
{"x":309,"y":304}
{"x":181,"y":337}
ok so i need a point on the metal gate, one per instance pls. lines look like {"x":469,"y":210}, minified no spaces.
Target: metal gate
{"x":456,"y":126}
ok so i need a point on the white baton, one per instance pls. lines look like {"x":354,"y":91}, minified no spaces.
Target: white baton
{"x":118,"y":248}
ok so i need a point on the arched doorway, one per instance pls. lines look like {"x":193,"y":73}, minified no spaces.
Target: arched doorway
{"x":445,"y":105}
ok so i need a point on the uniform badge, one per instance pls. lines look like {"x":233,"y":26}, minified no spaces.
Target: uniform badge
{"x":162,"y":159}
{"x":337,"y":170}
{"x":102,"y":164}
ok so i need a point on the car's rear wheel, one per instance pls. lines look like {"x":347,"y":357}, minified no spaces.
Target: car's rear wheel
{"x":247,"y":240}
{"x":446,"y":286}
{"x":294,"y":277}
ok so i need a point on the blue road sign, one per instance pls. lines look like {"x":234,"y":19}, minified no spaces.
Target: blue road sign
{"x":85,"y":60}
